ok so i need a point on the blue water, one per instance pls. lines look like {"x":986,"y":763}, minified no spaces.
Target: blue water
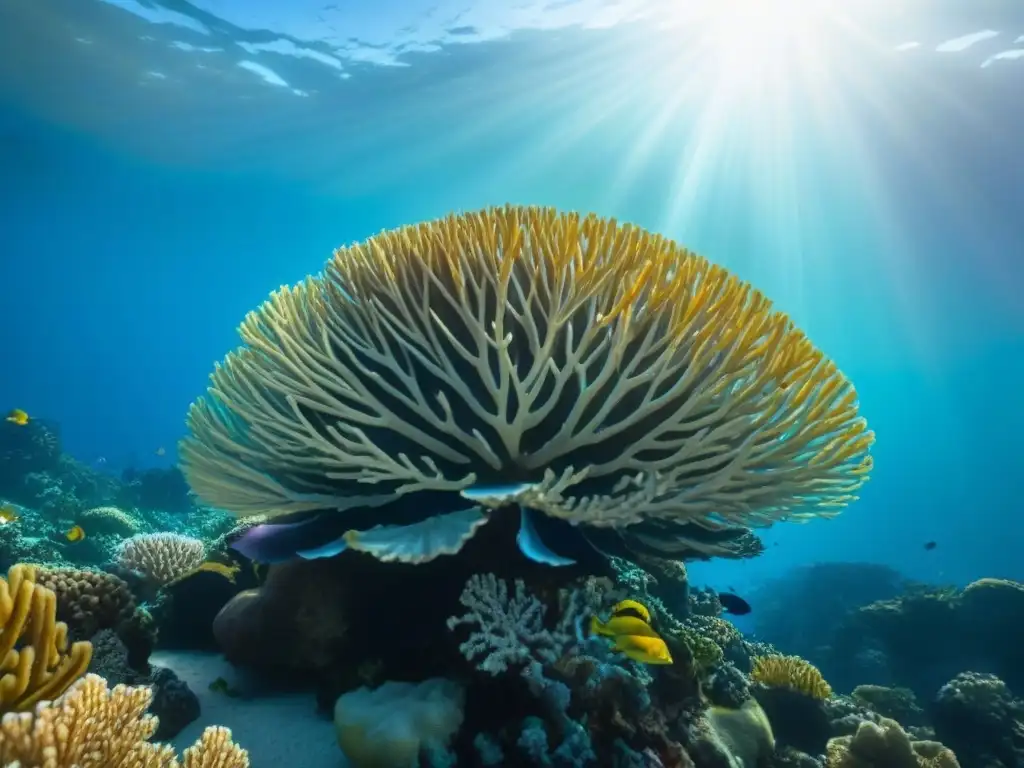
{"x":881,"y":204}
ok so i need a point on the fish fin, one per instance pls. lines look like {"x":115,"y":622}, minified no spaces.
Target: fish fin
{"x":419,"y":542}
{"x":330,"y":549}
{"x":581,"y":634}
{"x":531,"y":545}
{"x":277,"y":542}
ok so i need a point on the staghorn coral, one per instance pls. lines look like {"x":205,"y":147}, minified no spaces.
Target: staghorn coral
{"x":790,"y":672}
{"x":886,"y":745}
{"x":88,"y":601}
{"x":598,"y":373}
{"x":35,"y":661}
{"x":215,"y":749}
{"x":108,"y":520}
{"x":92,"y":726}
{"x":161,"y":557}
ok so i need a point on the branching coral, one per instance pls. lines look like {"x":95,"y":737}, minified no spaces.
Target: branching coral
{"x":161,"y":557}
{"x":92,"y":726}
{"x":36,"y":663}
{"x":510,"y":627}
{"x":790,"y":672}
{"x":607,"y":375}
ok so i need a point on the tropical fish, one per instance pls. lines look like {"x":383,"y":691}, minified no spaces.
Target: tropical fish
{"x":733,"y":603}
{"x":75,"y":533}
{"x":632,"y":637}
{"x":931,"y":545}
{"x":221,"y":569}
{"x":161,"y":451}
{"x":18,"y":416}
{"x":632,"y":608}
{"x":8,"y":514}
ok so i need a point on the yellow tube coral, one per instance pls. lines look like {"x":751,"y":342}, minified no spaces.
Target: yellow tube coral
{"x":92,"y":726}
{"x":35,"y":661}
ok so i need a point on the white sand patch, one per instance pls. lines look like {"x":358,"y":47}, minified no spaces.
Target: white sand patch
{"x":278,"y":730}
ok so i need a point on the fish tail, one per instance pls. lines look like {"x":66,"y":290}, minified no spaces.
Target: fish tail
{"x":596,"y":627}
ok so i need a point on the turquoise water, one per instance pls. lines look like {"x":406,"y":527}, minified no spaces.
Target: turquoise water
{"x":166,"y":165}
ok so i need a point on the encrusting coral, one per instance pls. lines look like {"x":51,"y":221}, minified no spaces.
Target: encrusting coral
{"x":88,"y":601}
{"x":886,"y":745}
{"x":92,"y":726}
{"x":108,"y":519}
{"x":591,"y":371}
{"x":791,"y":672}
{"x":36,"y":663}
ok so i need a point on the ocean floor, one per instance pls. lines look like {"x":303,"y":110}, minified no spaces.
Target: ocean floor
{"x":277,"y":729}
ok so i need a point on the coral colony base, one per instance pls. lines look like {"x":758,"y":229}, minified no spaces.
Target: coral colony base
{"x":452,"y":483}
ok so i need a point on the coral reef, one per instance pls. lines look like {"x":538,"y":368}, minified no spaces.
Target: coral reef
{"x":980,"y":719}
{"x":924,"y":636}
{"x":172,"y":702}
{"x":803,"y":611}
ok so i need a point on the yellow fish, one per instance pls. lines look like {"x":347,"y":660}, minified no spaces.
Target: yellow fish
{"x":8,"y":514}
{"x":633,"y":638}
{"x":227,"y":571}
{"x":18,"y":416}
{"x":75,"y":533}
{"x":632,"y":608}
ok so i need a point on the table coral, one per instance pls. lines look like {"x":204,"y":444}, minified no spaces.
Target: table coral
{"x":609,"y":377}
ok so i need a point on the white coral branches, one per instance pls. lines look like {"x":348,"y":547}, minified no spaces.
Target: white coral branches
{"x":161,"y":557}
{"x":510,"y":628}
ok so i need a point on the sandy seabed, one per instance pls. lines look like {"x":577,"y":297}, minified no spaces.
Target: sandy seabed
{"x":278,"y":730}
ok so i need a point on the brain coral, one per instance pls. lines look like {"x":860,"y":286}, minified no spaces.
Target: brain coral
{"x":609,"y":382}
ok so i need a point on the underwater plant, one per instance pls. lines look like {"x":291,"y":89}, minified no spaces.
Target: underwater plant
{"x":626,"y":394}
